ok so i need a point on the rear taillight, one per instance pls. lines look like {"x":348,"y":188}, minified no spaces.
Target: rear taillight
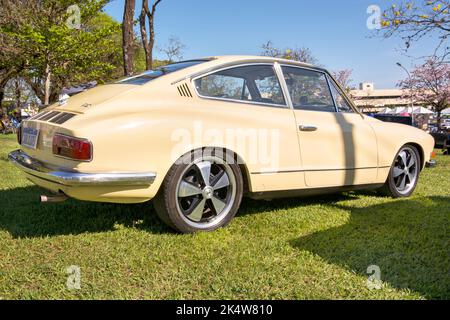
{"x":73,"y":148}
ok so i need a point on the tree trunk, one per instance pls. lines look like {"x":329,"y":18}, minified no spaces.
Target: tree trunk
{"x":128,"y":37}
{"x":151,"y":42}
{"x":47,"y":86}
{"x":18,"y":93}
{"x":438,"y":119}
{"x":147,"y":43}
{"x":2,"y":95}
{"x":144,"y":37}
{"x":37,"y":87}
{"x":54,"y":94}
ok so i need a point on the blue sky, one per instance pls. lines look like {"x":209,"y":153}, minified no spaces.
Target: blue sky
{"x":335,"y":31}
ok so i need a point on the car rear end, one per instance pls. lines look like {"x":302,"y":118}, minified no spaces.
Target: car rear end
{"x":54,"y":156}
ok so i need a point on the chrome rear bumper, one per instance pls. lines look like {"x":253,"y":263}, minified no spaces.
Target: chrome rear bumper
{"x":67,"y":178}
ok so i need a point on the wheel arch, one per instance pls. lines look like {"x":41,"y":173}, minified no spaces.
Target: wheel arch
{"x":239,"y":161}
{"x":421,"y":153}
{"x":419,"y":149}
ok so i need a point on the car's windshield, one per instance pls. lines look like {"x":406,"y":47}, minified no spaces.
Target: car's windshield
{"x":149,"y":75}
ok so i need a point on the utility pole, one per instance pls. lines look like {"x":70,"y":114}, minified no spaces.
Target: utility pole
{"x":410,"y":94}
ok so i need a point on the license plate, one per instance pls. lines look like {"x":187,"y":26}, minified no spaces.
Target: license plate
{"x":30,"y":137}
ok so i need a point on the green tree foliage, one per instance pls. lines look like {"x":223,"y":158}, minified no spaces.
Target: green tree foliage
{"x":11,"y":57}
{"x":58,"y":52}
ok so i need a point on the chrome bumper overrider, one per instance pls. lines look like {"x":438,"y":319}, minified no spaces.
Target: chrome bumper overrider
{"x":431,"y":164}
{"x":38,"y":169}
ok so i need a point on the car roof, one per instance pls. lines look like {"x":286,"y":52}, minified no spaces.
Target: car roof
{"x":249,"y":58}
{"x":213,"y":63}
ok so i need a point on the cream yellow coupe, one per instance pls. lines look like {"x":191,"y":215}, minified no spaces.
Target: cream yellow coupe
{"x":196,"y":136}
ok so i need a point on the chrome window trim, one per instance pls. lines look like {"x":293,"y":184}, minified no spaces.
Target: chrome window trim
{"x":284,"y":87}
{"x":210,"y":70}
{"x":305,"y":68}
{"x":341,"y":91}
{"x":263,"y":60}
{"x":336,"y":109}
{"x":261,"y":104}
{"x":271,"y":64}
{"x":325,"y":73}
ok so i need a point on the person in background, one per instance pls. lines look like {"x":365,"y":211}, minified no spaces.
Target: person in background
{"x":15,"y":119}
{"x":5,"y":124}
{"x":2,"y":125}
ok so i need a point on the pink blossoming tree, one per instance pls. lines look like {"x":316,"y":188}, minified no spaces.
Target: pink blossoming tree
{"x":430,"y":85}
{"x":344,"y":77}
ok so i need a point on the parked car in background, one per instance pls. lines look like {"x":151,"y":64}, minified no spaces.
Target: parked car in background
{"x":432,"y":128}
{"x":442,"y":140}
{"x":394,"y":118}
{"x":445,"y":123}
{"x":196,"y":136}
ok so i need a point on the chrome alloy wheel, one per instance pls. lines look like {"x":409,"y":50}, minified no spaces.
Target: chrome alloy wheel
{"x":206,"y":192}
{"x":406,"y":170}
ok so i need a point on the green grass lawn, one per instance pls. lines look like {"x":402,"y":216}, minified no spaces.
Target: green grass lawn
{"x":310,"y":248}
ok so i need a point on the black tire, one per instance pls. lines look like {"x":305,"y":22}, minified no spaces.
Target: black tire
{"x":170,"y":206}
{"x":391,"y":187}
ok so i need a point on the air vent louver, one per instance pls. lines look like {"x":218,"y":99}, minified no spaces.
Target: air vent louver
{"x":53,"y":116}
{"x":49,"y":115}
{"x":62,"y":117}
{"x":184,"y":90}
{"x":40,"y":115}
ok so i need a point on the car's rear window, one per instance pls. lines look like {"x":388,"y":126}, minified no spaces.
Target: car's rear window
{"x":149,"y":75}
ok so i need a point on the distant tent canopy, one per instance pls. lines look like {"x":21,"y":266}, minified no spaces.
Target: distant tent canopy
{"x":408,"y":110}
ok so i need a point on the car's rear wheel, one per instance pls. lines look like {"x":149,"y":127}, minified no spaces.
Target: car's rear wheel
{"x":404,"y":173}
{"x":200,"y":193}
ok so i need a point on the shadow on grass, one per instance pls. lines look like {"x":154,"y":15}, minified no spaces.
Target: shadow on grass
{"x":22,"y":215}
{"x":408,"y":239}
{"x":250,"y":206}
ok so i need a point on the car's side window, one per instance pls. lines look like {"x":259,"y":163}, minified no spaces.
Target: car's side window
{"x":308,"y":89}
{"x":341,"y":103}
{"x":254,"y":83}
{"x":269,"y":89}
{"x":223,"y":86}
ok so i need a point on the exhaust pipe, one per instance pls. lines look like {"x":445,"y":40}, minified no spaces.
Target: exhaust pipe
{"x":59,"y":197}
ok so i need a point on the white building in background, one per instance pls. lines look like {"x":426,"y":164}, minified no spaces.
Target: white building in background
{"x":370,"y":99}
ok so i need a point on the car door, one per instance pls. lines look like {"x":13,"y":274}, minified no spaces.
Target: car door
{"x":248,"y":99}
{"x":337,"y":146}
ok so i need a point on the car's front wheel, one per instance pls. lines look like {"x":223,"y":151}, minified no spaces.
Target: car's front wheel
{"x":404,"y":173}
{"x":200,"y":193}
